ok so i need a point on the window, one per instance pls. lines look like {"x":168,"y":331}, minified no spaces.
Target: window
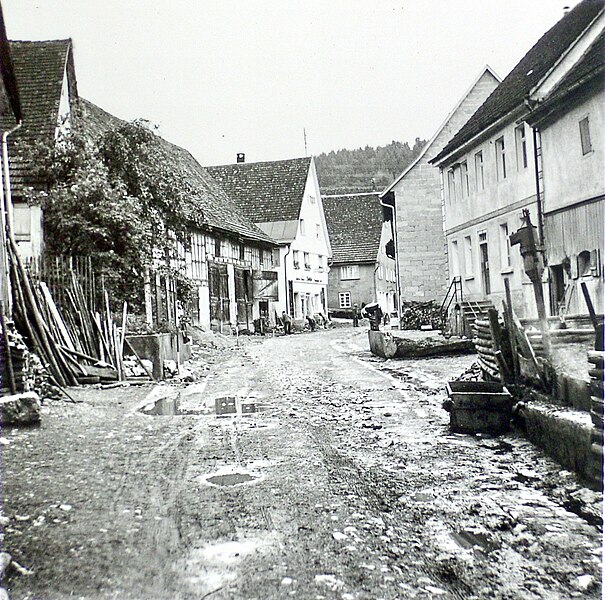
{"x":464,"y":177}
{"x":380,"y":272}
{"x":295,"y":259}
{"x":584,"y":263}
{"x":261,"y":256}
{"x":317,"y":231}
{"x":500,"y":159}
{"x":521,"y":144}
{"x":455,"y":259}
{"x":307,"y":261}
{"x":504,"y":246}
{"x":349,"y":272}
{"x":344,"y":299}
{"x":585,"y":136}
{"x":217,"y":247}
{"x":22,"y":220}
{"x":312,"y":199}
{"x":469,"y":268}
{"x":242,"y":252}
{"x":451,"y":184}
{"x":479,"y":177}
{"x":302,"y":227}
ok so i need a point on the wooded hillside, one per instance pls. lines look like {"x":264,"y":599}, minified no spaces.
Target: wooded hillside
{"x":365,"y":169}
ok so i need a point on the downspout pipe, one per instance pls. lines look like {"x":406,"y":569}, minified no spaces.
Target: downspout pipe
{"x":536,"y":134}
{"x":6,"y":218}
{"x":7,"y":184}
{"x":286,"y":279}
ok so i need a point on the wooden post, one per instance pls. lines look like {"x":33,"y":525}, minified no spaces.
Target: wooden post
{"x":510,"y":326}
{"x":7,"y":349}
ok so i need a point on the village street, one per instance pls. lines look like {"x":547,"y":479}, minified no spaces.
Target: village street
{"x":341,"y":480}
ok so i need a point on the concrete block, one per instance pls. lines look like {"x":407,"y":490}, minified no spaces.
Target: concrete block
{"x":20,"y":409}
{"x":563,"y":433}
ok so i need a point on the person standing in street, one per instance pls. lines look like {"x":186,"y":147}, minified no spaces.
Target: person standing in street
{"x":287,"y":319}
{"x":356,"y":315}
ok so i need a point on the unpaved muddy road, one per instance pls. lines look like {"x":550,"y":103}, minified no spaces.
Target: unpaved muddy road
{"x":337,"y":477}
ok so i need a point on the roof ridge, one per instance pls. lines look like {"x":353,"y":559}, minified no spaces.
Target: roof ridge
{"x":535,"y":63}
{"x":260,"y":162}
{"x":70,"y":40}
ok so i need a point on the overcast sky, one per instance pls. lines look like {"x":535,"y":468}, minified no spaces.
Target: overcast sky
{"x":227,"y":76}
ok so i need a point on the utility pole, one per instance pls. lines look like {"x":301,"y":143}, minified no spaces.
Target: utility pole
{"x":305,"y":138}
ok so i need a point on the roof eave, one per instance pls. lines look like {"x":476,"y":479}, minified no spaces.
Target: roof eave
{"x":426,"y":148}
{"x":513,"y":115}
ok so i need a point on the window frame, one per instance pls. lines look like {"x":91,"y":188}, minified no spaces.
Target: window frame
{"x":469,"y":260}
{"x":521,"y":147}
{"x":479,"y":170}
{"x":500,"y":148}
{"x":451,"y":184}
{"x":465,"y":187}
{"x":344,"y":300}
{"x":585,"y":137}
{"x":348,"y":272}
{"x":505,"y":249}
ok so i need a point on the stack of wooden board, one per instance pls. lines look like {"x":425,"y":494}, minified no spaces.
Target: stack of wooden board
{"x":596,"y":358}
{"x":75,"y":344}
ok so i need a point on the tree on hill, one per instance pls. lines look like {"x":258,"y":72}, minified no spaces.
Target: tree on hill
{"x":365,"y":169}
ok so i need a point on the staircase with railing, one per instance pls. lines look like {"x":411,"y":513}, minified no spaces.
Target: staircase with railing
{"x":460,"y":321}
{"x":452,"y":296}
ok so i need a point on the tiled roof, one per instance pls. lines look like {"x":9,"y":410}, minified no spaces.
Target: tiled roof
{"x":208,"y":205}
{"x":588,"y":67}
{"x":8,"y":84}
{"x":39,"y":69}
{"x":511,"y":93}
{"x":265,"y":191}
{"x":354,"y":226}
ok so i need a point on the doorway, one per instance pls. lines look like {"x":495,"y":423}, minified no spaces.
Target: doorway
{"x":484,"y":258}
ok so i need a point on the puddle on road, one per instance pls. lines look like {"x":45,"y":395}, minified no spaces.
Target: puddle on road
{"x":230,"y":479}
{"x":466,"y":539}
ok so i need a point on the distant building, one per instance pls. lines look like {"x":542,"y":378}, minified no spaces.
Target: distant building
{"x":361,"y":271}
{"x":489,"y":177}
{"x":567,"y":112}
{"x":282,"y":198}
{"x":416,"y":196}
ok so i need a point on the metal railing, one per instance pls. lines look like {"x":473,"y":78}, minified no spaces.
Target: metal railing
{"x":453,"y":294}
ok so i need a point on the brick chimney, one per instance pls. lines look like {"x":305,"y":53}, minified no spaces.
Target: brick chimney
{"x":241,"y":157}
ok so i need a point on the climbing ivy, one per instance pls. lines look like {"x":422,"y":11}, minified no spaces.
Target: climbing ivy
{"x":116,"y":197}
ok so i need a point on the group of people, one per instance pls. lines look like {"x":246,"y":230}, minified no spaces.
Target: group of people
{"x":319,"y":319}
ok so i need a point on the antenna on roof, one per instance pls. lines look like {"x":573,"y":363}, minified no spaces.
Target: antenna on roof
{"x":305,"y":137}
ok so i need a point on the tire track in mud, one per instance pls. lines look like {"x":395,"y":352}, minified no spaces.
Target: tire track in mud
{"x":424,"y":543}
{"x":372,"y":490}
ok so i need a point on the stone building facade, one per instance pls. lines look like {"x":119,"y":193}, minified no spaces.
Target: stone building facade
{"x":416,"y":196}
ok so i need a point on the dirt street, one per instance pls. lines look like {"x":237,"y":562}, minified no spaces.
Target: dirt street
{"x":337,"y":478}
